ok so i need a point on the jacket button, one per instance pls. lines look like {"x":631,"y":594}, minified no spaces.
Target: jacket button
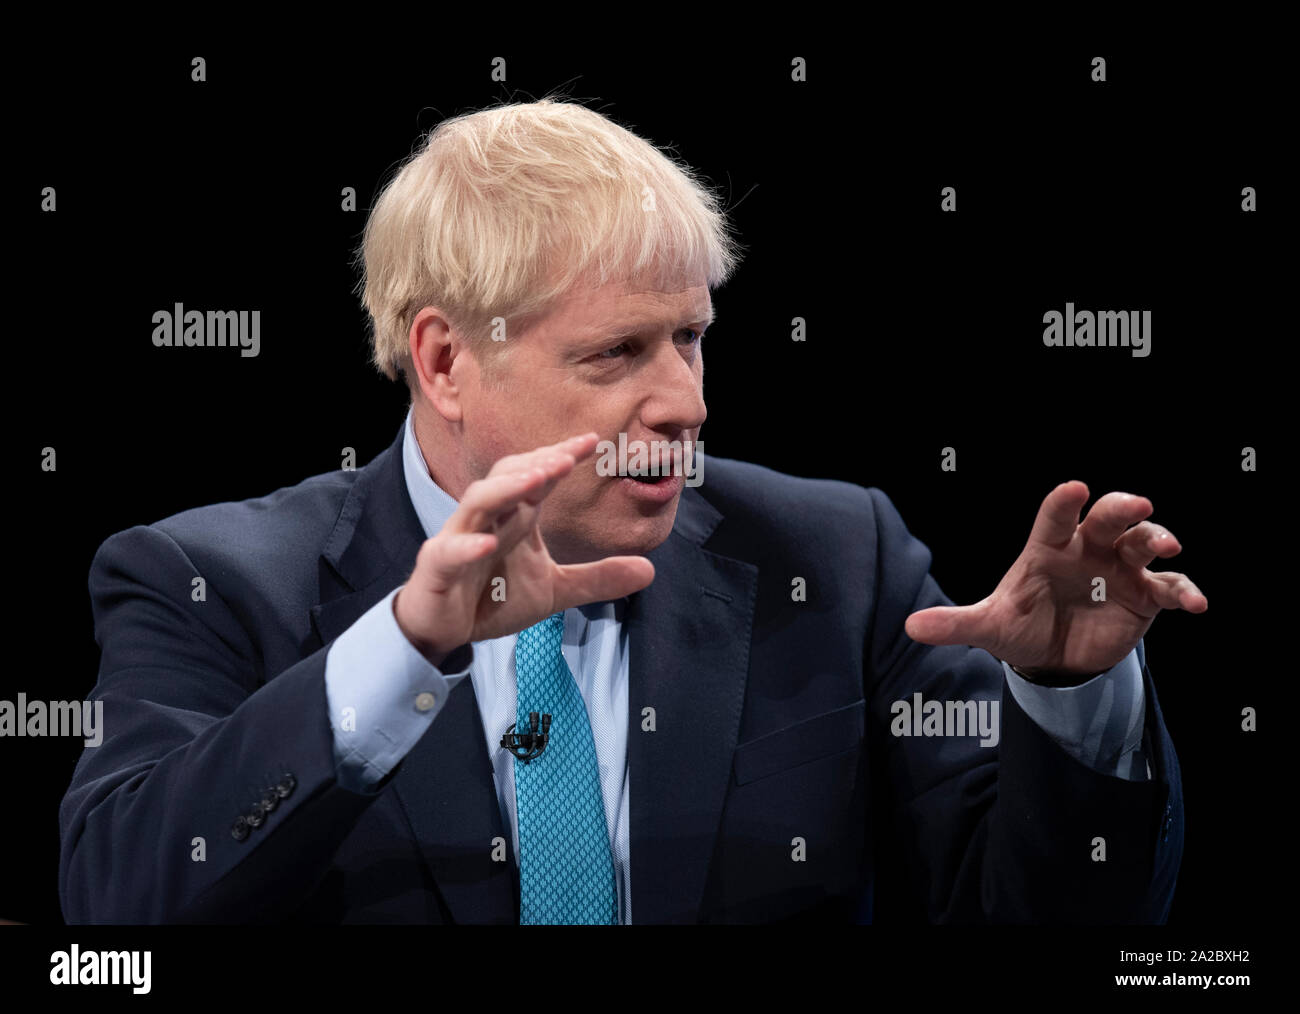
{"x":270,"y":800}
{"x":286,"y":786}
{"x":239,"y":829}
{"x":256,"y":817}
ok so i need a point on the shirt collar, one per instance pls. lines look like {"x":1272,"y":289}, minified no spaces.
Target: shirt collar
{"x":433,"y":505}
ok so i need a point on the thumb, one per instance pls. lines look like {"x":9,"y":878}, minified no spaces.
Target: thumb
{"x":611,"y":578}
{"x":949,"y":625}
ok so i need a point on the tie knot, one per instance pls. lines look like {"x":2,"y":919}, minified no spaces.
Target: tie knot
{"x":551,"y":628}
{"x":544,"y":636}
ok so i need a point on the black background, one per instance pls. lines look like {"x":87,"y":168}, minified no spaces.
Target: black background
{"x":924,"y":329}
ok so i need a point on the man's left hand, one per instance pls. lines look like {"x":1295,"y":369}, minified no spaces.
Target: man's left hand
{"x":1044,"y":615}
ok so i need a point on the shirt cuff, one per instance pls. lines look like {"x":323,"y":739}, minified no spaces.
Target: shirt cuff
{"x":1099,"y":723}
{"x":383,"y":694}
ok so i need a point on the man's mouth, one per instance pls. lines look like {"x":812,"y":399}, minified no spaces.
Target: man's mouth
{"x":656,"y":489}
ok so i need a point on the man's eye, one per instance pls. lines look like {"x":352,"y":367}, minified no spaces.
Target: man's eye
{"x":616,"y":351}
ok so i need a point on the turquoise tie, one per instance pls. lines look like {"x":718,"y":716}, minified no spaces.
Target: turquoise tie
{"x":566,"y":871}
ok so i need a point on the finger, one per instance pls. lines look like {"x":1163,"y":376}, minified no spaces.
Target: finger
{"x":573,"y":449}
{"x":1144,"y":542}
{"x":577,"y":584}
{"x":554,"y":467}
{"x":951,"y":625}
{"x":1170,"y":590}
{"x":556,"y":464}
{"x":448,"y":557}
{"x":487,"y":501}
{"x":1111,"y":515}
{"x":1058,"y":515}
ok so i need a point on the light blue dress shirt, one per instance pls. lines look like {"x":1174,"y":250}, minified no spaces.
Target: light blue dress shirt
{"x":383,"y":695}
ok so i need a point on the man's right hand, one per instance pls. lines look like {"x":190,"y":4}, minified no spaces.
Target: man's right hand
{"x":448,"y":601}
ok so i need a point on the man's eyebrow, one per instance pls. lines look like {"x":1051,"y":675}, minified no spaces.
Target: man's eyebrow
{"x":603,"y":332}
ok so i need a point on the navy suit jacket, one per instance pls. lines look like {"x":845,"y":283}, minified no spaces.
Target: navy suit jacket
{"x":771,"y":724}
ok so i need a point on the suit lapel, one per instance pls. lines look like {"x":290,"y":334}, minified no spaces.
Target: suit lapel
{"x":689,"y":642}
{"x":445,"y":783}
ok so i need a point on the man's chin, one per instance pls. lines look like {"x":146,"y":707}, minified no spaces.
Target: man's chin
{"x":637,"y":538}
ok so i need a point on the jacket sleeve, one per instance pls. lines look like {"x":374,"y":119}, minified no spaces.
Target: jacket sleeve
{"x":1013,"y":832}
{"x":211,"y":798}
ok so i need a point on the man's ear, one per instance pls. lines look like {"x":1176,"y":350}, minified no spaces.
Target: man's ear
{"x":434,"y":347}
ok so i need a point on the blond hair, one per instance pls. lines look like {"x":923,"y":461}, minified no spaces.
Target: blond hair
{"x":500,"y":212}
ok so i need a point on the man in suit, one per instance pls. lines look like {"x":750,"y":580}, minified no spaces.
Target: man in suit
{"x":747,"y":688}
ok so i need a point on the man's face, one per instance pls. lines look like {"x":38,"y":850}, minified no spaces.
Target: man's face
{"x":615,"y":359}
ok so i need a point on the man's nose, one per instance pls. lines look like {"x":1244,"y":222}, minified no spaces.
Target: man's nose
{"x":677,"y":399}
